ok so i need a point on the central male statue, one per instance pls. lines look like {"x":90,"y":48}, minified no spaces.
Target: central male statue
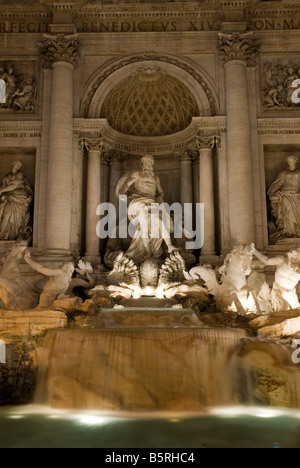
{"x":153,"y":226}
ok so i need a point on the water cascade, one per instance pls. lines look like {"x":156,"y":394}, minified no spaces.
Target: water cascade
{"x":139,"y":368}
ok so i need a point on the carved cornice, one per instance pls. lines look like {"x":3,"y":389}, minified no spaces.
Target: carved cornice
{"x":63,"y":5}
{"x":257,"y":9}
{"x":237,"y":46}
{"x":278,"y":126}
{"x":59,"y":48}
{"x":20,"y":129}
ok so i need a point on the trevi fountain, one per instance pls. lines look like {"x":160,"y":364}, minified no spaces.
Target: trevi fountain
{"x":150,"y":223}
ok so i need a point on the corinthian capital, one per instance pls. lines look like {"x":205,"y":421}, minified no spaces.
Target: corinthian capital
{"x":237,"y":47}
{"x":93,"y":144}
{"x":208,"y":141}
{"x":59,"y":48}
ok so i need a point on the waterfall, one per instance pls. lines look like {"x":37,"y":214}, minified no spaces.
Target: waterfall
{"x":139,"y":368}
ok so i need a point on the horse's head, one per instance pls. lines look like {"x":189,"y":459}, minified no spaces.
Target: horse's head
{"x":294,"y":260}
{"x":238,"y":262}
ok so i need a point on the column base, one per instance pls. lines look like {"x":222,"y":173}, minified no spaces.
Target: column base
{"x":56,"y":256}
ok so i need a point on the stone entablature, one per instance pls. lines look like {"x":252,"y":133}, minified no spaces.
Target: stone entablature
{"x":131,"y":18}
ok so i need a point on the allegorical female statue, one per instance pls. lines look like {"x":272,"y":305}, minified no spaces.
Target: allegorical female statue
{"x":16,"y":198}
{"x":284,"y":195}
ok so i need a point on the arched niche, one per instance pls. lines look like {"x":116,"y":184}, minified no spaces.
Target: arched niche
{"x":189,"y":74}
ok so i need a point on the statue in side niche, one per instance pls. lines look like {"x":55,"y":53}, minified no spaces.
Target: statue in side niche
{"x":284,"y":195}
{"x":16,"y":198}
{"x":284,"y":294}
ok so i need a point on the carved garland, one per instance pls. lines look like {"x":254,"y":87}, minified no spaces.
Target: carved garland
{"x":151,"y":56}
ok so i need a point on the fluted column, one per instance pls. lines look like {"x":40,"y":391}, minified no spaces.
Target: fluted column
{"x":186,"y":188}
{"x":115,"y":176}
{"x":59,"y":52}
{"x":238,"y":50}
{"x":207,"y":192}
{"x":94,"y":147}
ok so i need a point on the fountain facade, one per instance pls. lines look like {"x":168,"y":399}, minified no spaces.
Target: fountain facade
{"x":149,"y":226}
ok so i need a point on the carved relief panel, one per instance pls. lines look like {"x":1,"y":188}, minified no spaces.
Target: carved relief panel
{"x":281,"y":84}
{"x":18,"y":86}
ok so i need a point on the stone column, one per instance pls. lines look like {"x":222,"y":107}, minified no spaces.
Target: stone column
{"x":186,"y":189}
{"x":206,"y":146}
{"x":115,"y":176}
{"x":60,"y":53}
{"x":94,"y":147}
{"x":238,"y":51}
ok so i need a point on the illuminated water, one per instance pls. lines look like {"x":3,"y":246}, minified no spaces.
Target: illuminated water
{"x":38,"y":427}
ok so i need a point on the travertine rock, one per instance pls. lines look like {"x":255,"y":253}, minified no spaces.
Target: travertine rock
{"x":279,"y":324}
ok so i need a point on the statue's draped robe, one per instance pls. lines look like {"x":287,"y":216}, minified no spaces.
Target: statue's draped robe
{"x":284,"y":194}
{"x":15,"y":206}
{"x":155,"y":227}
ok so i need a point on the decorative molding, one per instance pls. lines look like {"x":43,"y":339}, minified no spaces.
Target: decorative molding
{"x":278,"y":127}
{"x":59,"y":48}
{"x":145,"y":57}
{"x":237,"y":46}
{"x":20,"y":129}
{"x":211,"y":125}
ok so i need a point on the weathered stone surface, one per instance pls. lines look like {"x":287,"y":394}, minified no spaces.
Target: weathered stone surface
{"x":279,"y":324}
{"x":27,"y":324}
{"x":268,"y":374}
{"x":23,"y":333}
{"x":118,"y":318}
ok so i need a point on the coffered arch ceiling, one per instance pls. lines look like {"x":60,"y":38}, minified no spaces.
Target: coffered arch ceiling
{"x":149,"y":103}
{"x":149,"y":95}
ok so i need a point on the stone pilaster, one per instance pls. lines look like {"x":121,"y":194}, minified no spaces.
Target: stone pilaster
{"x":60,"y":52}
{"x":206,"y":145}
{"x":115,"y":175}
{"x":238,"y":51}
{"x":186,"y":161}
{"x":94,"y":148}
